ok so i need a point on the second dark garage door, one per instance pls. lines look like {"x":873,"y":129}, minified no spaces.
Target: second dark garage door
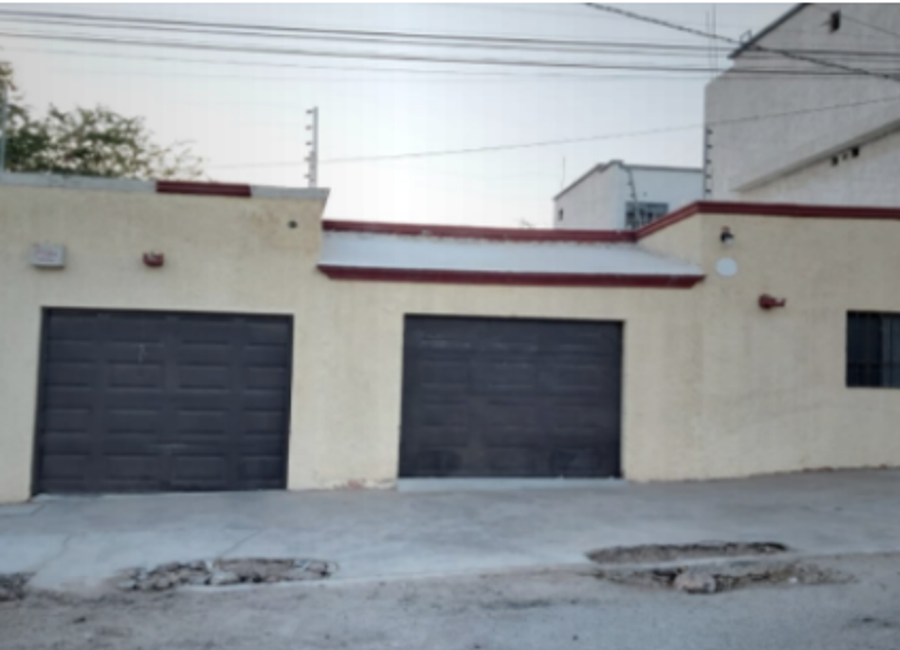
{"x":510,"y":398}
{"x":152,"y":401}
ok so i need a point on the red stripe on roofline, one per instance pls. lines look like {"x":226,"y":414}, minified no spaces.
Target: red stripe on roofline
{"x":668,"y":220}
{"x":795,"y":210}
{"x":203,"y":189}
{"x":789,"y":210}
{"x":478,"y":232}
{"x":504,"y":278}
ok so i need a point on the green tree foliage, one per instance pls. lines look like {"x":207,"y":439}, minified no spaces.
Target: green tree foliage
{"x":88,"y":142}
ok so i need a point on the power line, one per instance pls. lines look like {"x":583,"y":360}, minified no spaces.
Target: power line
{"x":758,"y":48}
{"x":541,"y":45}
{"x":561,"y":14}
{"x":361,"y":36}
{"x":615,"y":48}
{"x":576,"y":65}
{"x":490,"y":75}
{"x":547,"y":143}
{"x":121,"y":22}
{"x":325,"y":34}
{"x":467,"y":78}
{"x":482,"y":42}
{"x":456,"y":152}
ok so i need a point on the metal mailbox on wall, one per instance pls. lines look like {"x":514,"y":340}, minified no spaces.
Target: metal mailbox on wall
{"x":48,"y":255}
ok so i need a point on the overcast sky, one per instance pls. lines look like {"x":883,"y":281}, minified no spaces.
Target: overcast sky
{"x":245,"y":113}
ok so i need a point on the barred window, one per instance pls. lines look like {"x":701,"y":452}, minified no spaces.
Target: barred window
{"x":641,"y":213}
{"x":873,"y":349}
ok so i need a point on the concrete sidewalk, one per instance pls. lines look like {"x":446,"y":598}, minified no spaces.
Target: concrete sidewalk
{"x":74,"y":543}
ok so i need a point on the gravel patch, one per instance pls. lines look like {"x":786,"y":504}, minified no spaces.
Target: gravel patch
{"x":649,"y":553}
{"x":221,"y":573}
{"x":12,"y":586}
{"x":719,"y":578}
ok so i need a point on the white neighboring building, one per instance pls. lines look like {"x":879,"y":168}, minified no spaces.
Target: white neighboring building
{"x":822,"y":137}
{"x":616,"y":196}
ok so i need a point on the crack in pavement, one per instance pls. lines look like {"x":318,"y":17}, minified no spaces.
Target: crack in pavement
{"x":240,"y":543}
{"x":57,"y":555}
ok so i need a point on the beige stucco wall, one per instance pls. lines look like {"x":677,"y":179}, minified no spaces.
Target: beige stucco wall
{"x":712,"y":385}
{"x":236,"y":255}
{"x":222,"y":255}
{"x":353,"y":430}
{"x":772,"y":395}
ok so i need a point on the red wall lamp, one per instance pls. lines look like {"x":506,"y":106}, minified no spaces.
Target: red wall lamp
{"x":154,"y":260}
{"x":770,"y":302}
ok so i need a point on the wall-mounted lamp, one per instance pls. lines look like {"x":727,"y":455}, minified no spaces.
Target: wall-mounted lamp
{"x":154,"y":260}
{"x":770,"y":302}
{"x":727,"y":237}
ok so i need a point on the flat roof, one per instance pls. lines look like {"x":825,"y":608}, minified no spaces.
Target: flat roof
{"x":348,"y":255}
{"x":385,"y":252}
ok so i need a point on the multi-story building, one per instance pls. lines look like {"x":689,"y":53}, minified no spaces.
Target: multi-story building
{"x":810,"y":110}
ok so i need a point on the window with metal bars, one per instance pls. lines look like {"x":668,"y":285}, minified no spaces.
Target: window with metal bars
{"x":873,"y":349}
{"x":641,"y":213}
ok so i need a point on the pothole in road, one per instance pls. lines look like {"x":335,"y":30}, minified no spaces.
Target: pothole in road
{"x":648,"y":553}
{"x":220,"y":573}
{"x":719,"y":578}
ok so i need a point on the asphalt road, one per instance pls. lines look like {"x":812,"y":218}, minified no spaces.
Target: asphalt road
{"x":542,"y":611}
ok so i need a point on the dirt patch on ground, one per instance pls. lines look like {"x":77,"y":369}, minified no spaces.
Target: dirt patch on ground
{"x":220,"y":573}
{"x":719,"y":578}
{"x":649,"y":553}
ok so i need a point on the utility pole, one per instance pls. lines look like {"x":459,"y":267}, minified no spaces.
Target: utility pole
{"x":313,"y":144}
{"x":707,"y":162}
{"x":3,"y":112}
{"x":638,"y":218}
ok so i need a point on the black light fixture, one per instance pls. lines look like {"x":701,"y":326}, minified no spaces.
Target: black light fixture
{"x":727,"y":237}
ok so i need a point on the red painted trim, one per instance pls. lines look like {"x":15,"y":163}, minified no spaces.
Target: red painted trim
{"x":504,"y":278}
{"x":477,"y":232}
{"x":668,"y":220}
{"x":203,"y":189}
{"x":618,"y":236}
{"x":799,"y":210}
{"x":789,"y":210}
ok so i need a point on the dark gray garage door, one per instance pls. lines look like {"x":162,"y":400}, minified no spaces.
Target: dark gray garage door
{"x":505,"y":398}
{"x":149,"y":402}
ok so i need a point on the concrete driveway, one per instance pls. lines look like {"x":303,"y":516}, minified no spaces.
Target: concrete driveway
{"x":76,"y":543}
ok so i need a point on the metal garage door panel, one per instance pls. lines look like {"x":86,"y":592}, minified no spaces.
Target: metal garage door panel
{"x":508,"y":397}
{"x":144,"y":402}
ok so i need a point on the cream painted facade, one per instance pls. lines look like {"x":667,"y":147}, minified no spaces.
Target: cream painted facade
{"x":713,"y":386}
{"x":222,"y":255}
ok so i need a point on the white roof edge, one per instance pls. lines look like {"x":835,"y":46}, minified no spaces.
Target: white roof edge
{"x":148,"y":187}
{"x":667,"y":168}
{"x":78,"y":182}
{"x":392,"y":251}
{"x":276,"y":192}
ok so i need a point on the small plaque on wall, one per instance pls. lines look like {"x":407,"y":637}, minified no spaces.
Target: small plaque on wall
{"x":48,"y":255}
